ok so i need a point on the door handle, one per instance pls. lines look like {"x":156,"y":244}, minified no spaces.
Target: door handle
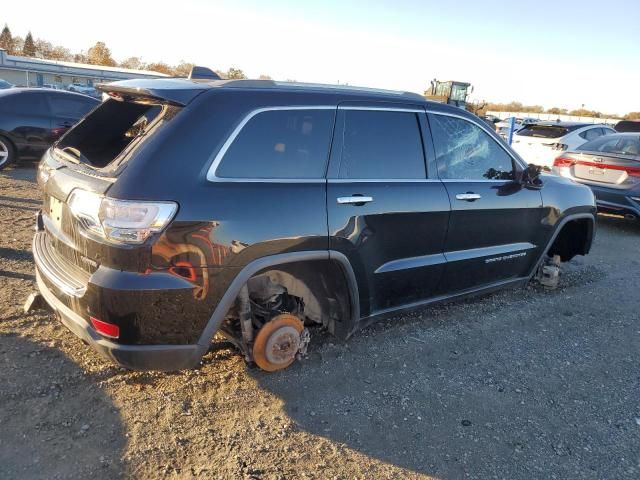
{"x":354,"y":200}
{"x":469,"y":196}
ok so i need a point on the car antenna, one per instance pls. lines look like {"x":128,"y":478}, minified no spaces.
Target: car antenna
{"x":203,"y":73}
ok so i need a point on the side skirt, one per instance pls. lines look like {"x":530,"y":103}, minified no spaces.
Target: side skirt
{"x":411,"y":307}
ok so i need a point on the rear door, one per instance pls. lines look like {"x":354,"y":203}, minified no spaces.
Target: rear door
{"x":25,"y":116}
{"x":494,"y":229}
{"x":383,"y":212}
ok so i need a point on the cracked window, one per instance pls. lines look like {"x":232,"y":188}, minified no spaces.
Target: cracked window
{"x":466,"y":152}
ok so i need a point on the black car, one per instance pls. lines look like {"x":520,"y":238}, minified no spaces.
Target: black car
{"x":180,"y":208}
{"x":32,"y":119}
{"x":610,"y":166}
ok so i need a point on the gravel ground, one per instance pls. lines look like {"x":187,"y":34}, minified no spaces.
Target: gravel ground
{"x":516,"y":385}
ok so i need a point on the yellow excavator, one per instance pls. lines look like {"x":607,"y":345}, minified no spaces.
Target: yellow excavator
{"x":449,"y":91}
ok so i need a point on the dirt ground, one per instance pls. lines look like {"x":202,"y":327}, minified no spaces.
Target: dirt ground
{"x":521,"y":384}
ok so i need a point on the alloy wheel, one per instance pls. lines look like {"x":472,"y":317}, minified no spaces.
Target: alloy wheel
{"x":4,"y":153}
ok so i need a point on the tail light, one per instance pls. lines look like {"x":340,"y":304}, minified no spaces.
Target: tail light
{"x":564,"y":162}
{"x":106,"y":329}
{"x":569,"y":162}
{"x":120,"y":221}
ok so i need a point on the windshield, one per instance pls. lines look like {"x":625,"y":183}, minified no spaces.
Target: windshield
{"x":620,"y":144}
{"x":458,"y":92}
{"x":543,"y":131}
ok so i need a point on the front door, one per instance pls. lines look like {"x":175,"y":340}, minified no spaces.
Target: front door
{"x":384,"y":214}
{"x":494,"y":228}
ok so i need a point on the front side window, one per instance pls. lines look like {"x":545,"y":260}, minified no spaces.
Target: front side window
{"x":379,"y":144}
{"x":281,"y":144}
{"x":465,"y":151}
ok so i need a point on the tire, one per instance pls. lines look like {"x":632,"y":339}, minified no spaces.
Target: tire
{"x":7,"y":152}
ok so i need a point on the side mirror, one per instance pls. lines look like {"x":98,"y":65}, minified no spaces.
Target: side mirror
{"x":531,"y":176}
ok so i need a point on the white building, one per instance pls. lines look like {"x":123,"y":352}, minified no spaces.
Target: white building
{"x":34,"y":72}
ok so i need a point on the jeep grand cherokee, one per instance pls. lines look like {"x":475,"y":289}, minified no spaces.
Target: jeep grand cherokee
{"x":180,"y":208}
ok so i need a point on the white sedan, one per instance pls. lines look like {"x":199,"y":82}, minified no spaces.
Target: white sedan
{"x":542,"y":142}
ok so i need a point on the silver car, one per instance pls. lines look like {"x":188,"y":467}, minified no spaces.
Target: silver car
{"x":610,"y":165}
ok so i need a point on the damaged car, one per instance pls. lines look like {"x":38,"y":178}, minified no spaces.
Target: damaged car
{"x":265,"y":210}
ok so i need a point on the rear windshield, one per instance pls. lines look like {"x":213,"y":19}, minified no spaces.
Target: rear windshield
{"x":628,"y":126}
{"x":620,"y":144}
{"x":543,"y":131}
{"x":112,"y":130}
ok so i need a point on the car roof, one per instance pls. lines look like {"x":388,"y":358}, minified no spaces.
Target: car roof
{"x":183,"y":90}
{"x":17,"y":90}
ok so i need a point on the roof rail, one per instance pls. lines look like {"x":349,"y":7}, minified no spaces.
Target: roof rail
{"x":349,"y":87}
{"x":203,"y":73}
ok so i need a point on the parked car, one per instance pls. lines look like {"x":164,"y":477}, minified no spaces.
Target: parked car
{"x":492,"y":120}
{"x":31,"y":119}
{"x":52,"y":86}
{"x":503,"y":126}
{"x":262,"y":209}
{"x":628,"y":126}
{"x":4,"y":84}
{"x":610,"y":166}
{"x":81,"y":88}
{"x":542,"y":142}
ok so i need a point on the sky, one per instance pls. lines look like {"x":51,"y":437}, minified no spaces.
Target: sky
{"x":563,"y":53}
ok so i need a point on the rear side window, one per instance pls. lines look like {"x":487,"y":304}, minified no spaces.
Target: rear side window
{"x":70,"y":106}
{"x":111,"y":129}
{"x":591,"y":134}
{"x":543,"y":131}
{"x":24,"y":103}
{"x":464,"y":151}
{"x":381,"y":145}
{"x":281,"y":144}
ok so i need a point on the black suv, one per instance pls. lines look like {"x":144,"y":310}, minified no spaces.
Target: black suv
{"x":259,"y":209}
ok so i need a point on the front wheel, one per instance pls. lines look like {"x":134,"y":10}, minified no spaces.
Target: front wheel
{"x":7,"y":152}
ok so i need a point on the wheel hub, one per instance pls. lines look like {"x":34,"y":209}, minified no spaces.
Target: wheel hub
{"x":278,"y":342}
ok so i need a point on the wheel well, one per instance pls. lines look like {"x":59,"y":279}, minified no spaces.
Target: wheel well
{"x":10,"y":142}
{"x":574,"y":239}
{"x":323,"y":287}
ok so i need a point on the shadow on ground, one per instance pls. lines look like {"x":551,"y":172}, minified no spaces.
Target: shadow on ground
{"x":538,"y":393}
{"x":55,"y":424}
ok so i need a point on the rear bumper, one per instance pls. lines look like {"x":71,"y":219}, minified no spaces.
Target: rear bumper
{"x":137,"y":357}
{"x":616,"y":201}
{"x":66,"y":289}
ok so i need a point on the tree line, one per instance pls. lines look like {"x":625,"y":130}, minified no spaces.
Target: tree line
{"x":98,"y":54}
{"x":580,"y":112}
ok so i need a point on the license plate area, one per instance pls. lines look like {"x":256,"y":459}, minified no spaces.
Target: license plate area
{"x":598,"y":174}
{"x":55,"y":212}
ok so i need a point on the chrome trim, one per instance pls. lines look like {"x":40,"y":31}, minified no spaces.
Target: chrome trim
{"x":486,"y":129}
{"x":411,"y":262}
{"x":380,"y":109}
{"x":49,"y":271}
{"x":211,"y":173}
{"x":474,"y":253}
{"x":474,"y":180}
{"x":355,"y":199}
{"x":468,"y":196}
{"x":383,"y":180}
